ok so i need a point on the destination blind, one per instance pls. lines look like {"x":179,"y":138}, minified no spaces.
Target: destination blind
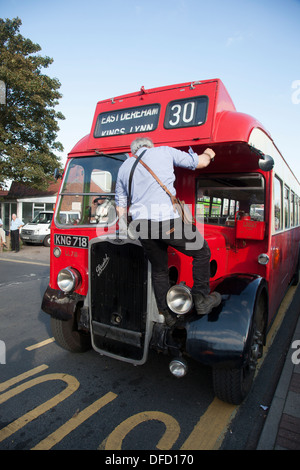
{"x":127,"y":121}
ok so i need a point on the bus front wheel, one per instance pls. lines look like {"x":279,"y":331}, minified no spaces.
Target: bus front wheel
{"x":233,"y":385}
{"x":68,"y":337}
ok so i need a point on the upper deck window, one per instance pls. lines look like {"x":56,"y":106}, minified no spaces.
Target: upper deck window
{"x":127,"y":121}
{"x":188,"y":112}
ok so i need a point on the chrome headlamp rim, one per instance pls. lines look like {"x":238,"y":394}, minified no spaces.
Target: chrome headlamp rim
{"x":180,"y":299}
{"x":68,"y":279}
{"x":178,"y":367}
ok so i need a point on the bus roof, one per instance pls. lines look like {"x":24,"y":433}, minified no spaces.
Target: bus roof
{"x":194,"y":113}
{"x":174,"y":115}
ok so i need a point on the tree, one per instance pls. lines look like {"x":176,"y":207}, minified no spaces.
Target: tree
{"x":28,"y":121}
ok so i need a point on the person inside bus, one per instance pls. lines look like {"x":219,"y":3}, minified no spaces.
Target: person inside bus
{"x":103,"y":210}
{"x":164,"y":224}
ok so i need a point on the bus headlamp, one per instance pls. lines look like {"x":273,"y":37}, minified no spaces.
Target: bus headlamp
{"x":68,"y":279}
{"x":178,"y":367}
{"x":180,"y":299}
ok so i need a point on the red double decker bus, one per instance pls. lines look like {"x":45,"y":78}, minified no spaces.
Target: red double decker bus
{"x":246,"y":202}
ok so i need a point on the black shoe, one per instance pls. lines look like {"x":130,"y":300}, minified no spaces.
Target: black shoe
{"x":169,"y":319}
{"x":205,"y":303}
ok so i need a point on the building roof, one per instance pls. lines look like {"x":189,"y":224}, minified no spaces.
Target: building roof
{"x":19,"y":190}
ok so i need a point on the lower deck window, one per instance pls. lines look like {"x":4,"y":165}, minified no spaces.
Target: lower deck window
{"x":221,"y":197}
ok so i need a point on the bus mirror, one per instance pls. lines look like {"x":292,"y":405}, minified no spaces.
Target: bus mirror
{"x":266,"y":163}
{"x":57,"y":174}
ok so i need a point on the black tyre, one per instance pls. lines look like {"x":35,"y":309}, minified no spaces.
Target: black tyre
{"x":233,"y":385}
{"x":68,"y":337}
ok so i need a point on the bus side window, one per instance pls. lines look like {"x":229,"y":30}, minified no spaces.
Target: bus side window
{"x":286,"y":207}
{"x":225,"y":207}
{"x":278,"y":203}
{"x":292,"y":209}
{"x":221,"y":197}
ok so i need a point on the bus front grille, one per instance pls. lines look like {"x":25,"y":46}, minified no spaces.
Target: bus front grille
{"x":118,"y":298}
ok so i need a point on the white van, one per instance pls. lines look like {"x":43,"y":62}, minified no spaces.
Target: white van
{"x":38,"y":230}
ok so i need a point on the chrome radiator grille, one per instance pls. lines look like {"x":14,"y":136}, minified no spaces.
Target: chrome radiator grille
{"x":118,"y":297}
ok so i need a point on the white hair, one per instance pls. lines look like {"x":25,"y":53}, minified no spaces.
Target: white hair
{"x":140,"y":142}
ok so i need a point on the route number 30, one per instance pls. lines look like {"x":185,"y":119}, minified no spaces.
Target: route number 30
{"x":186,"y":113}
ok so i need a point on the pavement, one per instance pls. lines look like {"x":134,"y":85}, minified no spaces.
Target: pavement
{"x":281,"y":430}
{"x":37,"y":253}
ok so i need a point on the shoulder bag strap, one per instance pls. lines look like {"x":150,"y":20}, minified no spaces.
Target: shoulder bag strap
{"x":178,"y":205}
{"x":131,"y":175}
{"x":164,"y":187}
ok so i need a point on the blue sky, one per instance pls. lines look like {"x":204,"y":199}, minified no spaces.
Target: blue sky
{"x":103,"y":49}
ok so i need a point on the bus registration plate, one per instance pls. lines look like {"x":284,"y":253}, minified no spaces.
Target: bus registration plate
{"x":71,"y":240}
